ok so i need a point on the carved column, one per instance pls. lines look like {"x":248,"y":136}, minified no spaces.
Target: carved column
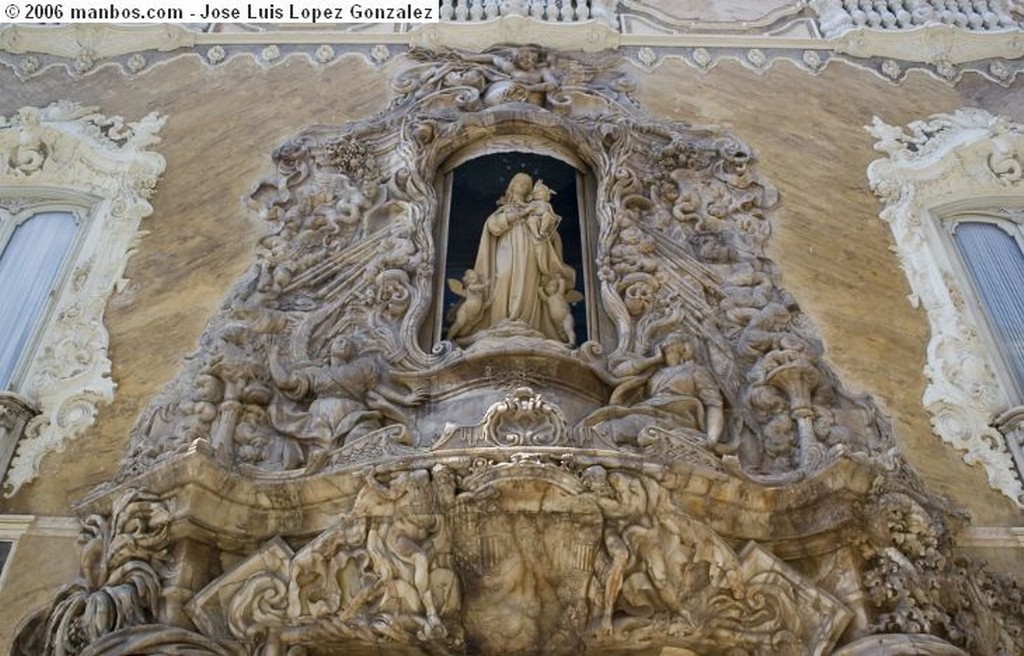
{"x":1011,"y":425}
{"x":15,"y":413}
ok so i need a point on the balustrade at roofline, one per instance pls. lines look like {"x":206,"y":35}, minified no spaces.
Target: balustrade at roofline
{"x":905,"y":30}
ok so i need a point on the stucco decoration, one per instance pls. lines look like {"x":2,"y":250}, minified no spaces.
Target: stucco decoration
{"x":949,"y":162}
{"x":333,"y":480}
{"x":69,"y":157}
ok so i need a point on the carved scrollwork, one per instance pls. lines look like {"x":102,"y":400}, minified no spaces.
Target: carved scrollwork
{"x":123,"y":561}
{"x":524,"y":418}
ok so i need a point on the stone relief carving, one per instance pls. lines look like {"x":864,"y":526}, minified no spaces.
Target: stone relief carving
{"x":122,"y":558}
{"x":622,"y":566}
{"x":966,"y":158}
{"x":340,"y":483}
{"x":321,"y":343}
{"x":916,"y":586}
{"x":100,"y":167}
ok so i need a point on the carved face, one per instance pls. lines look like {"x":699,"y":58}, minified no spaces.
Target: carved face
{"x":677,"y":351}
{"x":342,"y":350}
{"x":520,"y":187}
{"x":541,"y":191}
{"x":525,"y":59}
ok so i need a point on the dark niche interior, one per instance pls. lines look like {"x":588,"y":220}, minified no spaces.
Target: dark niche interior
{"x":477,"y":185}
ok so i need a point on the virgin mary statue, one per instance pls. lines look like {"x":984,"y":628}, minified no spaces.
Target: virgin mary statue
{"x":519,"y":283}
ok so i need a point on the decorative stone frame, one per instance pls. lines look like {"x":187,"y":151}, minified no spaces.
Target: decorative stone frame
{"x":935,"y":172}
{"x":71,"y":158}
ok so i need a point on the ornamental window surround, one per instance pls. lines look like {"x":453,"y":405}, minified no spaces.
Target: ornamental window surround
{"x":74,"y":186}
{"x":952,"y":188}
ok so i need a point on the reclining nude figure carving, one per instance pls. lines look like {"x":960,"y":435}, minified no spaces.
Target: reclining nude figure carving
{"x":519,"y":284}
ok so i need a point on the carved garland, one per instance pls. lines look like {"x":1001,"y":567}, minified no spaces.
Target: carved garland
{"x":970,"y":159}
{"x":72,"y":157}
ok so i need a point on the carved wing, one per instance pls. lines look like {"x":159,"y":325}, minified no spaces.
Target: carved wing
{"x":456,"y":287}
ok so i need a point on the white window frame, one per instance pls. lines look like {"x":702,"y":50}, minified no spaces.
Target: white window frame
{"x":938,"y":169}
{"x":66,"y":157}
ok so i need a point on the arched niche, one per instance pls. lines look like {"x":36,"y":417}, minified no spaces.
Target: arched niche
{"x":469,"y":183}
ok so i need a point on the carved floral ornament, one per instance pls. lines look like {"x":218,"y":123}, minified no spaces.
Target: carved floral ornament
{"x":967,"y":161}
{"x":335,"y":481}
{"x":71,"y":158}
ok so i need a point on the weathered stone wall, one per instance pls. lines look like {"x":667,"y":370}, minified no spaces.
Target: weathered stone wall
{"x":223,"y":123}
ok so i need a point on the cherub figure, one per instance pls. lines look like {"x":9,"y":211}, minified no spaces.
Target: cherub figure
{"x":552,"y":292}
{"x":541,"y":217}
{"x":473,"y":290}
{"x":29,"y":152}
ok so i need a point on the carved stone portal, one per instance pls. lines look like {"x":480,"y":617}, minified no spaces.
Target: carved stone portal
{"x":320,"y":481}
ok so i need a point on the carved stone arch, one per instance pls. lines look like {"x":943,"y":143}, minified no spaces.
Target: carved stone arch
{"x":899,"y":644}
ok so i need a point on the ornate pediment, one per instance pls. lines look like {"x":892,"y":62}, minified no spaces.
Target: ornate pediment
{"x":352,"y":472}
{"x":323,"y":343}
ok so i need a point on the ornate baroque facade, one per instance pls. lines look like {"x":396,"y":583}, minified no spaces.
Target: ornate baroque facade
{"x":613,"y":426}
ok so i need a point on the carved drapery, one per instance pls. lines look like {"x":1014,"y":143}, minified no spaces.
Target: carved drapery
{"x":72,"y":158}
{"x":970,"y":160}
{"x":332,"y":483}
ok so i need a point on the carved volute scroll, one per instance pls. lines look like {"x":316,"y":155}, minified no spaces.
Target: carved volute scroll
{"x":701,"y":480}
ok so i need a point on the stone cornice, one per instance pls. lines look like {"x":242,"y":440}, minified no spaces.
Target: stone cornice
{"x":992,"y":537}
{"x":940,"y":50}
{"x":736,"y":507}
